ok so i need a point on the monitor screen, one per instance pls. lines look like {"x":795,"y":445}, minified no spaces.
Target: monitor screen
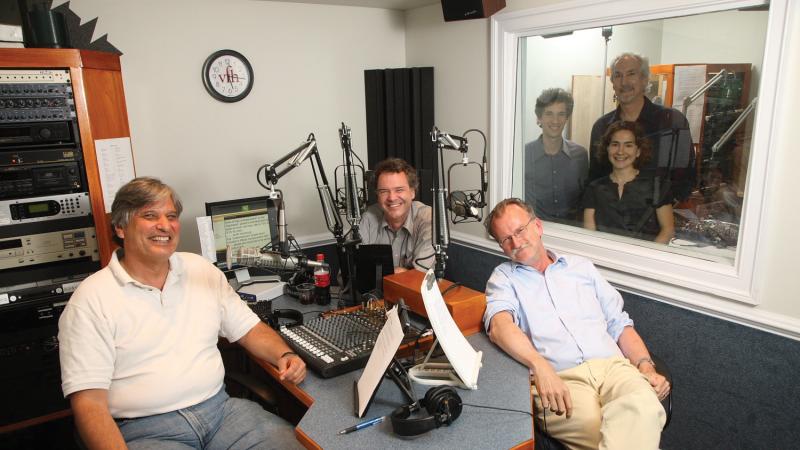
{"x":247,"y":222}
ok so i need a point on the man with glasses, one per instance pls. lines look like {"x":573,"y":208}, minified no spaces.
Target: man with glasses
{"x":396,"y":219}
{"x":558,"y":316}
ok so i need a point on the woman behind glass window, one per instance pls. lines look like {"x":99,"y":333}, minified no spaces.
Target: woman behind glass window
{"x":625,"y":202}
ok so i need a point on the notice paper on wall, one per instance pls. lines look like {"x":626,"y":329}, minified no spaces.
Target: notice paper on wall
{"x":688,"y":79}
{"x":115,"y":163}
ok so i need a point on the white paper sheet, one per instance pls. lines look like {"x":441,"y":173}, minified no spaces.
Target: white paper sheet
{"x":207,"y":243}
{"x":464,"y":359}
{"x":385,"y":348}
{"x":687,"y":80}
{"x":115,"y":163}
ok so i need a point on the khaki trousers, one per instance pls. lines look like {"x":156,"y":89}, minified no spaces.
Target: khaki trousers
{"x":613,"y":407}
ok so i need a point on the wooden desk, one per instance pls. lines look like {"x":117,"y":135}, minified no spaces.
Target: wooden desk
{"x":16,"y":426}
{"x":329,"y":406}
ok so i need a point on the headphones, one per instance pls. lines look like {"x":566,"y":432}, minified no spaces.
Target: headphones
{"x":443,"y":405}
{"x":292,"y":318}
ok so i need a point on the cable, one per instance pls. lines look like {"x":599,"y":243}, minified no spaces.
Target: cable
{"x":450,"y":288}
{"x":544,"y":420}
{"x":498,"y":408}
{"x":416,"y":261}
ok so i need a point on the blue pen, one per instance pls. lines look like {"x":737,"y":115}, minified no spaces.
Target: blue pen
{"x":361,"y":425}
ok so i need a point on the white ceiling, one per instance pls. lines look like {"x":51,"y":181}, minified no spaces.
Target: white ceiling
{"x":384,"y":4}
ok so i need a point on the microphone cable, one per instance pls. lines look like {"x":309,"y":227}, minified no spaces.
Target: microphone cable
{"x":498,"y":408}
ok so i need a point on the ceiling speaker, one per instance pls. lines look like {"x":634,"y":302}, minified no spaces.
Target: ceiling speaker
{"x":470,"y":9}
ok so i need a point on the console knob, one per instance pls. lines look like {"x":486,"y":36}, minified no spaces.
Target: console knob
{"x":45,"y":133}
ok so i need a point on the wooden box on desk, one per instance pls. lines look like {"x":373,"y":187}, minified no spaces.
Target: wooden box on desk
{"x":465,"y":305}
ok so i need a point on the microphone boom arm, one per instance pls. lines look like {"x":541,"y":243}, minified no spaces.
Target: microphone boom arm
{"x":306,"y":150}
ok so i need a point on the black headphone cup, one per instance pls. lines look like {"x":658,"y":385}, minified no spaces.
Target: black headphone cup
{"x":293,"y":317}
{"x":443,"y":405}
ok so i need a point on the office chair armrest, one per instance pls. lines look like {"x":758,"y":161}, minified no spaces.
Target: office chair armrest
{"x":255,"y":386}
{"x":663,"y":369}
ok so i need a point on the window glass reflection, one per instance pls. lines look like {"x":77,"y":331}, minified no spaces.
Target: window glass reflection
{"x":688,"y":84}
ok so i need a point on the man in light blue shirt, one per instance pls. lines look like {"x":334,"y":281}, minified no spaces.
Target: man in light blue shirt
{"x":559,"y":317}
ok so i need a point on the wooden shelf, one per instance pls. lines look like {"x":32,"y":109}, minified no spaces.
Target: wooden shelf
{"x":99,"y":105}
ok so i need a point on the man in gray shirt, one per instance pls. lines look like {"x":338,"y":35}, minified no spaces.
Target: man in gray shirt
{"x":396,"y":219}
{"x":555,"y":168}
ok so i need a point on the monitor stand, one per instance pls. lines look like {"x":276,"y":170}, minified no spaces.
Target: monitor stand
{"x":379,"y":281}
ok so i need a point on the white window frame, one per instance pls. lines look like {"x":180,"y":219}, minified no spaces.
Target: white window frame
{"x":686,"y":280}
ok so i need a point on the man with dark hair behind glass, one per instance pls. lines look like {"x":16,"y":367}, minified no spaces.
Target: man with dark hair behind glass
{"x":666,"y":128}
{"x":555,"y":168}
{"x":138,"y":342}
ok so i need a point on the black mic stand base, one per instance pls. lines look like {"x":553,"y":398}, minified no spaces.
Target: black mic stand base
{"x":349,"y":295}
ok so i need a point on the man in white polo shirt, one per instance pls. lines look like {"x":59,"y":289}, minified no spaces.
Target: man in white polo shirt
{"x":139,"y":357}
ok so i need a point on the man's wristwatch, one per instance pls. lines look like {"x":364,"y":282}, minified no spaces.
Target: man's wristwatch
{"x":643,"y":360}
{"x":295,"y":354}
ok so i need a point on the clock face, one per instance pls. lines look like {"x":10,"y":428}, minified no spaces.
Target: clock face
{"x":227,"y":76}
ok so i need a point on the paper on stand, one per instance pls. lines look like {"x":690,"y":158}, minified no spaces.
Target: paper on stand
{"x":384,"y":350}
{"x":464,"y":359}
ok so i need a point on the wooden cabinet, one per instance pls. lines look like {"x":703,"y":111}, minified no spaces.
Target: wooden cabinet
{"x":100,"y":108}
{"x":716,"y":110}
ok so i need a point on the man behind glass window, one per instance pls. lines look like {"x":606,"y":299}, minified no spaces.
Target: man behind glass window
{"x":555,"y":168}
{"x":138,"y":342}
{"x":396,"y":219}
{"x":666,"y":128}
{"x":595,"y":385}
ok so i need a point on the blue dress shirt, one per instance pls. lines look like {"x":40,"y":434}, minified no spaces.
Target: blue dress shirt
{"x":570,"y":312}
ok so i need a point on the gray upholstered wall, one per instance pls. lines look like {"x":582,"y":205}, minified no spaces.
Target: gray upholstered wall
{"x":735,"y":387}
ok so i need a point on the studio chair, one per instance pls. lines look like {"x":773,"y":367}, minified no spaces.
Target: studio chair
{"x":249,"y":386}
{"x":245,"y":380}
{"x":544,"y":441}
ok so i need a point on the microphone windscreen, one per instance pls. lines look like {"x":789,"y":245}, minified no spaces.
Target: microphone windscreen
{"x":458,"y":203}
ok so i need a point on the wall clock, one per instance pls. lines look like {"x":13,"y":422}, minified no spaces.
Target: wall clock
{"x":227,"y":76}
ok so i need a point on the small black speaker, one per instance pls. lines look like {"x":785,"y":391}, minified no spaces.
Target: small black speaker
{"x":470,"y":9}
{"x":42,"y":27}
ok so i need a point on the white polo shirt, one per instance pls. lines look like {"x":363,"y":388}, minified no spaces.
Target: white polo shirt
{"x":154,"y":350}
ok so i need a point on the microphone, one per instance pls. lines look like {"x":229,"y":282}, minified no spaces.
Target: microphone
{"x":405,"y":323}
{"x":275,"y":200}
{"x":465,"y":206}
{"x":254,"y":257}
{"x":352,"y":205}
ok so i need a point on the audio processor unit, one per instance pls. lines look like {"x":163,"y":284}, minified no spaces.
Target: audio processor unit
{"x":55,"y":246}
{"x":39,"y":209}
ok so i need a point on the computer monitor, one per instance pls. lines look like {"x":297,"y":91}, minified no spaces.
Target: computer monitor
{"x":246,"y":222}
{"x":373,"y":262}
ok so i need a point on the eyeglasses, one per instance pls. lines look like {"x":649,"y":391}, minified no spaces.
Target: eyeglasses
{"x":517,"y":234}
